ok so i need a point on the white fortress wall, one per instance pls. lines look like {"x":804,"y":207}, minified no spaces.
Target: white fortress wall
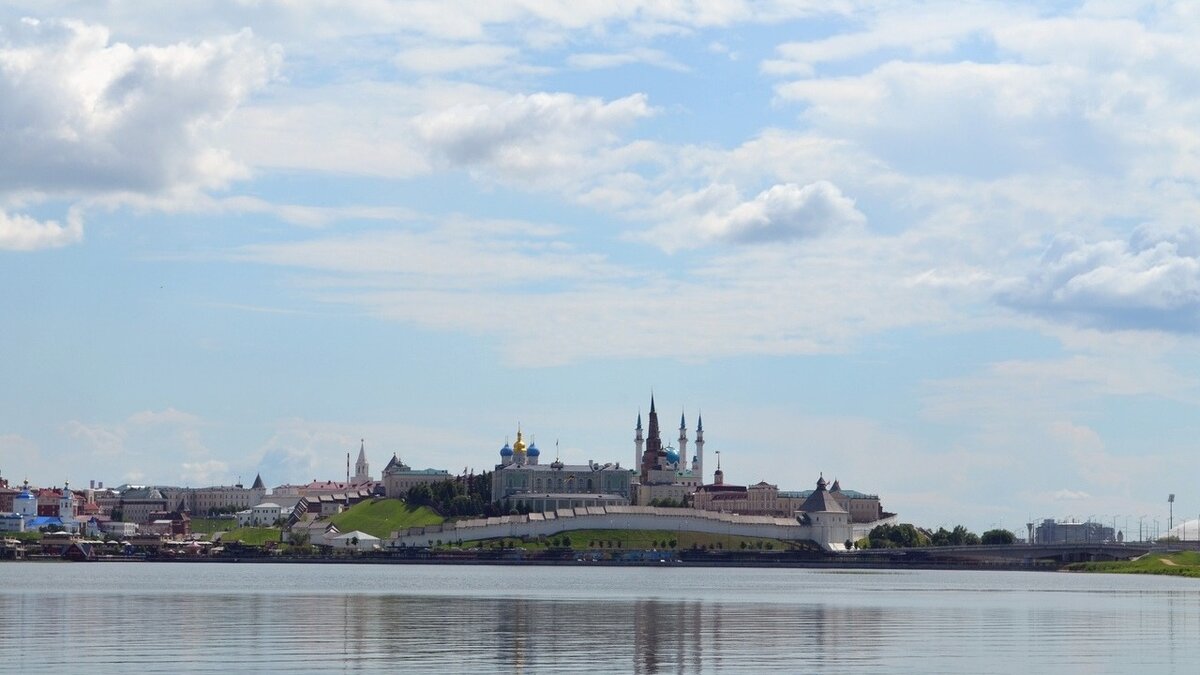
{"x":619,"y":518}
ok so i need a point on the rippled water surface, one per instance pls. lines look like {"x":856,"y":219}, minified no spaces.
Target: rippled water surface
{"x":131,"y":617}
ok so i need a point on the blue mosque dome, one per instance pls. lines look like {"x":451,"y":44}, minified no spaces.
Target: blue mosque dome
{"x":506,"y":451}
{"x":672,"y":457}
{"x":533,"y":450}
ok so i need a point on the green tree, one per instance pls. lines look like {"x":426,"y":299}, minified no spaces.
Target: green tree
{"x":998,"y":536}
{"x":959,"y":536}
{"x":904,"y":535}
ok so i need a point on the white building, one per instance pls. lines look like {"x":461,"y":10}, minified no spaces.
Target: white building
{"x":11,"y":522}
{"x":262,"y":515}
{"x":520,"y":480}
{"x":355,"y":541}
{"x":398,"y":477}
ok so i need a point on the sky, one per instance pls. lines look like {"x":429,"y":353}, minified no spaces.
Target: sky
{"x":946,"y":252}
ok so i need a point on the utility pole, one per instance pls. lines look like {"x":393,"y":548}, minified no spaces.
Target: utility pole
{"x":1171,"y":516}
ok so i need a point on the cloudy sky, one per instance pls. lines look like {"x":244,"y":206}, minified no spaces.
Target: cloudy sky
{"x":945,"y":252}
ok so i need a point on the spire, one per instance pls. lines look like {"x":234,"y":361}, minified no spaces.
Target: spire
{"x":362,"y":450}
{"x":682,"y":422}
{"x":653,"y":421}
{"x":700,"y":423}
{"x":258,"y":482}
{"x":639,"y":424}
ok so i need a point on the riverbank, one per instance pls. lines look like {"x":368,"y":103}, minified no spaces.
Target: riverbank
{"x":1176,"y":564}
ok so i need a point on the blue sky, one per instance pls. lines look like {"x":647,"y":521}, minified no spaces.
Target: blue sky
{"x":945,"y":252}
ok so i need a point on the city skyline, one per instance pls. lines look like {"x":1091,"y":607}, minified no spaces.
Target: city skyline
{"x":947,"y":253}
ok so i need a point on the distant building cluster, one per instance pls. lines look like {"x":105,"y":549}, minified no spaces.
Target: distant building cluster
{"x":660,"y":476}
{"x":1050,"y":531}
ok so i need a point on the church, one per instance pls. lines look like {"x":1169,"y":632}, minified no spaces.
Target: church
{"x":521,"y":480}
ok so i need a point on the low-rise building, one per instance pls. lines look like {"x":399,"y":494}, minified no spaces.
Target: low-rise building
{"x":398,"y":477}
{"x":261,"y":515}
{"x":518,"y":481}
{"x":118,"y":528}
{"x":11,"y":522}
{"x":766,"y":499}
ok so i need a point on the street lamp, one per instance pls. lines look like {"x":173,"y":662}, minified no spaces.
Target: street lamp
{"x":1171,"y":517}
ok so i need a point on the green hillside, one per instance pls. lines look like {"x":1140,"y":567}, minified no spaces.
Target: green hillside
{"x":1181,"y":564}
{"x":251,"y":535}
{"x":211,"y":525}
{"x":382,"y":517}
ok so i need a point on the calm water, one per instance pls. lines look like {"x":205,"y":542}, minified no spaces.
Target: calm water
{"x":116,"y":617}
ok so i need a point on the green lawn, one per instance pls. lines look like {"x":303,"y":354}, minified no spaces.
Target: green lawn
{"x":210,"y":525}
{"x":647,"y":539}
{"x":382,"y":517}
{"x":26,"y":537}
{"x":251,"y":535}
{"x":1182,"y":564}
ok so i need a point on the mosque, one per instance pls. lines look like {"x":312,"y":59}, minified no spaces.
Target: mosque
{"x":665,"y":473}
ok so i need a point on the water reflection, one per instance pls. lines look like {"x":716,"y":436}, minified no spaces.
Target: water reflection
{"x":549,"y":623}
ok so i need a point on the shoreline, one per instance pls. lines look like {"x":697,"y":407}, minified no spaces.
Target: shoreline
{"x":825,"y":564}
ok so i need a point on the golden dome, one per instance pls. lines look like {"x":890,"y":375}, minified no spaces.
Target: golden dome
{"x":519,"y":445}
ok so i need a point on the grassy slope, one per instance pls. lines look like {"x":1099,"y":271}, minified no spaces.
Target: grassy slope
{"x":210,"y":525}
{"x":251,"y":535}
{"x":1186,"y":564}
{"x":646,"y":539}
{"x":382,"y":517}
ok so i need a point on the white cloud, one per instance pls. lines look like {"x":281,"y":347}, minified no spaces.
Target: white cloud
{"x":22,"y":233}
{"x":1069,"y":495}
{"x":167,"y":416}
{"x":207,"y":472}
{"x":84,"y":114}
{"x":600,"y":60}
{"x":105,"y":440}
{"x":780,"y":213}
{"x":1151,"y":281}
{"x":448,"y":59}
{"x":529,"y":135}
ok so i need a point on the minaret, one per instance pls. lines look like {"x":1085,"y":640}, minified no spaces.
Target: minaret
{"x":683,"y":439}
{"x":698,"y":465}
{"x":66,"y":504}
{"x":638,"y":441}
{"x":361,"y":469}
{"x":718,"y":475}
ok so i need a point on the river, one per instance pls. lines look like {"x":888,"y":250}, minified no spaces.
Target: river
{"x":232,"y":618}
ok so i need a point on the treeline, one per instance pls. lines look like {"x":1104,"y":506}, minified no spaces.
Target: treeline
{"x":906,"y":535}
{"x":457,"y":497}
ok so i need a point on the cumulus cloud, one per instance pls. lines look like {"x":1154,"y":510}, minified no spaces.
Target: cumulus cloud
{"x":1151,"y":281}
{"x":22,"y":233}
{"x":527,"y":133}
{"x":83,"y":114}
{"x":780,"y":213}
